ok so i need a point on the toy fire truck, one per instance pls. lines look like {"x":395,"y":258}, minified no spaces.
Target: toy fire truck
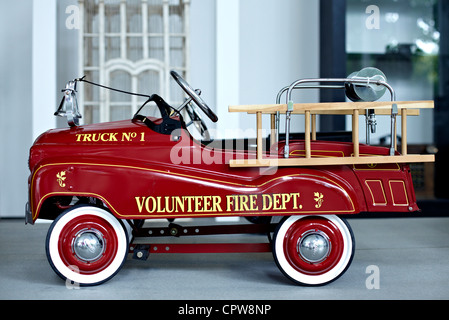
{"x":100,"y":182}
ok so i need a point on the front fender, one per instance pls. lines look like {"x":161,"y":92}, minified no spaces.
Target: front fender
{"x":63,"y":180}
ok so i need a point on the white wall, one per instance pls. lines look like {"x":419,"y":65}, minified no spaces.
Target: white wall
{"x":15,"y":104}
{"x":44,"y":58}
{"x":276,"y":43}
{"x":202,"y":48}
{"x":279,"y":43}
{"x":28,"y":92}
{"x":67,"y":54}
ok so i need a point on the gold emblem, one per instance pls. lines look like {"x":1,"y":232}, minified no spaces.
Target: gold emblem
{"x":60,"y":177}
{"x":319,"y":198}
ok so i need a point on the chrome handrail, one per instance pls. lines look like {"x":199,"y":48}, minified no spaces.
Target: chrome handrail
{"x":356,"y":80}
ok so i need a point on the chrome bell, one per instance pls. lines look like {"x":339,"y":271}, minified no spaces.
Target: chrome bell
{"x":69,"y":105}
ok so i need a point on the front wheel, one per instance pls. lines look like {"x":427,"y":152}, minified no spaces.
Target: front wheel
{"x":86,"y":245}
{"x":313,"y":250}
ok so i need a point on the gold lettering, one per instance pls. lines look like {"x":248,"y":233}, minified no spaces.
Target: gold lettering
{"x":267,"y":203}
{"x":295,"y":200}
{"x":198,"y":204}
{"x":276,"y":200}
{"x":103,"y":138}
{"x":243,"y":203}
{"x":189,"y":203}
{"x":159,"y":207}
{"x":206,"y":204}
{"x":140,"y":204}
{"x":106,"y":136}
{"x":209,"y":203}
{"x":112,"y":136}
{"x":167,"y":204}
{"x":96,"y":137}
{"x":285,"y":199}
{"x":126,"y":135}
{"x":253,"y":202}
{"x":179,"y":204}
{"x":230,"y":201}
{"x":147,"y":208}
{"x":216,"y":200}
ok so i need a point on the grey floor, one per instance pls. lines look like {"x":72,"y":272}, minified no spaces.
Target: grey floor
{"x":410,"y":254}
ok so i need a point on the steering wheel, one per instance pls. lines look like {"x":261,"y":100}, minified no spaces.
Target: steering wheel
{"x":194,"y":96}
{"x":197,"y":121}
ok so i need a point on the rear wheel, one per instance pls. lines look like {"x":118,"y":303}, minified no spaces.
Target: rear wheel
{"x":86,"y":245}
{"x":313,"y":250}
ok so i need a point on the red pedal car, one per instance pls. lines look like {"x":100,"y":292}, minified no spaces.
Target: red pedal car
{"x":100,"y":182}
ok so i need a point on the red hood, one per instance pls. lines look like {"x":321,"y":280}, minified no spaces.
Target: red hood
{"x":87,"y":138}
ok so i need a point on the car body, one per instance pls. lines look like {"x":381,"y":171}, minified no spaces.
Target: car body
{"x":98,"y":181}
{"x":134,"y":170}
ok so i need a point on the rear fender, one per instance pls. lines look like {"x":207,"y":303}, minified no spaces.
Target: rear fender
{"x":318,"y":193}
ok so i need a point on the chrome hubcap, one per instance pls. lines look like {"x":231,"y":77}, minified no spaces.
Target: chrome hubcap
{"x":88,"y":245}
{"x":313,"y":246}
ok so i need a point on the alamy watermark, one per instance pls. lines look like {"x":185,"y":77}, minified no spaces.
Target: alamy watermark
{"x":373,"y":279}
{"x":73,"y":19}
{"x":187,"y":152}
{"x":373,"y":20}
{"x":70,"y":284}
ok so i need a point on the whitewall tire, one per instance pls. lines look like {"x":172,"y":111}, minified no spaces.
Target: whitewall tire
{"x":313,"y":250}
{"x":86,"y":245}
